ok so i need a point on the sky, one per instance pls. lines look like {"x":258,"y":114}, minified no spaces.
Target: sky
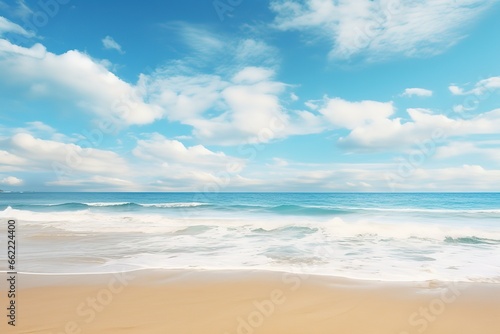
{"x":250,"y":95}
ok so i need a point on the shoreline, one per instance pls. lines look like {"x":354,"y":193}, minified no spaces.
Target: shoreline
{"x":240,"y":270}
{"x":249,"y":301}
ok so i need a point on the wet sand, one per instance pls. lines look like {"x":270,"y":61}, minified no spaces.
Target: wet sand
{"x":247,"y":302}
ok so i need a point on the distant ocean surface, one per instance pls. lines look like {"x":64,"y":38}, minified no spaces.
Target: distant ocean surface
{"x":383,"y":236}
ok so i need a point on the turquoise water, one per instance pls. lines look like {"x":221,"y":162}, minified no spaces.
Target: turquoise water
{"x":389,"y":236}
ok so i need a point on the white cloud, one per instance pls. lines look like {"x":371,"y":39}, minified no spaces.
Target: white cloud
{"x":96,"y":183}
{"x":460,"y":108}
{"x":381,"y":28}
{"x":172,"y":152}
{"x":76,"y":78}
{"x":11,"y":162}
{"x":242,"y":107}
{"x":252,"y":75}
{"x":312,"y":104}
{"x":218,"y":52}
{"x":40,"y":126}
{"x":482,"y":87}
{"x":375,"y":177}
{"x":9,"y":51}
{"x":36,"y":129}
{"x":417,"y":92}
{"x":351,"y":115}
{"x":256,"y":52}
{"x":393,"y":134}
{"x":7,"y":26}
{"x":472,"y":149}
{"x":182,"y":97}
{"x":212,"y":104}
{"x":109,"y":43}
{"x":251,"y":112}
{"x":157,"y":163}
{"x":459,"y":178}
{"x":455,"y":90}
{"x":25,"y":151}
{"x":11,"y":181}
{"x":294,"y":97}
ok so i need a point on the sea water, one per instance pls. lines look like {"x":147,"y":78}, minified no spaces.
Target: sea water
{"x":379,"y":236}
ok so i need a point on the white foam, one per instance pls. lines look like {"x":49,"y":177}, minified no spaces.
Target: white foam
{"x":103,"y":204}
{"x":356,"y":247}
{"x":174,"y":205}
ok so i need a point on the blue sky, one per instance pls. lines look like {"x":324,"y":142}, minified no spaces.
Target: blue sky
{"x":240,"y":95}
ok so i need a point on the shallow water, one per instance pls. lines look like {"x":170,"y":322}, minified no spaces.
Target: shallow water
{"x":395,"y":237}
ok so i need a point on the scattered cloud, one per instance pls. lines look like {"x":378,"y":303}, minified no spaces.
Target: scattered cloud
{"x":109,"y":43}
{"x":478,"y":150}
{"x":460,"y":108}
{"x":421,"y":92}
{"x":168,"y":152}
{"x":351,"y":115}
{"x":455,"y":90}
{"x":78,"y":79}
{"x":374,"y":29}
{"x":241,"y":107}
{"x":480,"y":88}
{"x":29,"y":152}
{"x":423,"y":126}
{"x":229,"y":108}
{"x":228,"y":92}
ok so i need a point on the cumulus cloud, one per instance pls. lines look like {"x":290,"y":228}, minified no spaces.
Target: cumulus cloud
{"x":11,"y":181}
{"x":423,"y":125}
{"x":28,"y":152}
{"x":421,"y":92}
{"x":374,"y":29}
{"x":78,"y":79}
{"x":172,"y":152}
{"x":235,"y":106}
{"x":109,"y":43}
{"x":253,"y":75}
{"x":241,"y":107}
{"x":156,"y":163}
{"x":350,"y":115}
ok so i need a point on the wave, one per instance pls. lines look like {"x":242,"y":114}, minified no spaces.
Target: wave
{"x":472,"y":240}
{"x":175,"y":205}
{"x":106,"y":204}
{"x":74,"y":206}
{"x":297,"y":209}
{"x":283,"y":209}
{"x":245,"y":224}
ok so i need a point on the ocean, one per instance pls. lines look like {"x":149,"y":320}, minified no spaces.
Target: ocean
{"x":373,"y":236}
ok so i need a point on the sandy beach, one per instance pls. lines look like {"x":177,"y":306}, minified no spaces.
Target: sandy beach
{"x":220,"y":302}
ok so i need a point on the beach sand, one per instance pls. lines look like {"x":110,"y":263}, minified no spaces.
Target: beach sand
{"x":238,"y":301}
